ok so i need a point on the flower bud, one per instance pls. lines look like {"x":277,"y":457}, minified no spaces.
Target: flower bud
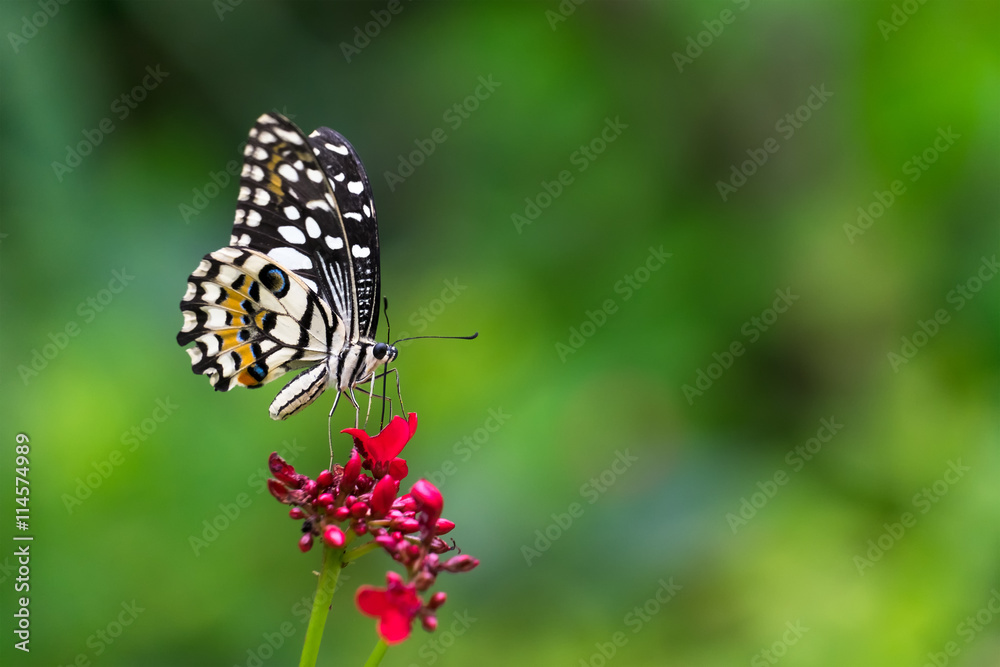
{"x":428,"y":498}
{"x":296,"y":513}
{"x":277,"y":489}
{"x":341,"y":513}
{"x":358,"y":510}
{"x":386,"y":541}
{"x":443,"y":527}
{"x":430,"y":622}
{"x":324,"y":479}
{"x":326,"y":499}
{"x":334,"y":537}
{"x":306,"y":542}
{"x":383,"y":494}
{"x":461,"y":563}
{"x":282,"y":471}
{"x":406,"y":525}
{"x":405,"y":503}
{"x":351,"y":472}
{"x":437,"y":600}
{"x":424,"y":580}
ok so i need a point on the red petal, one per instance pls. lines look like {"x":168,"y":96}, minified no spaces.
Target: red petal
{"x":371,"y":601}
{"x":394,"y":626}
{"x":398,"y":469}
{"x":412,"y":421}
{"x":358,"y":434}
{"x":393,"y":438}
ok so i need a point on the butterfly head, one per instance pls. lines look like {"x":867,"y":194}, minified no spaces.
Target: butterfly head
{"x":384,"y":352}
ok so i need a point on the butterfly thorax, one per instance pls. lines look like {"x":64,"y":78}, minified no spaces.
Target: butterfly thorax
{"x":358,"y":362}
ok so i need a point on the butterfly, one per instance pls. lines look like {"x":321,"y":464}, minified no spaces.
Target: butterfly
{"x":298,"y":285}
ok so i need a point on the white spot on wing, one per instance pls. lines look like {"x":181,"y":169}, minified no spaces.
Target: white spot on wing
{"x":317,"y":203}
{"x":355,"y":187}
{"x":335,"y":242}
{"x":261,"y":197}
{"x":291,"y":137}
{"x":337,"y":149}
{"x":244,"y":193}
{"x":358,"y":251}
{"x":368,"y":211}
{"x":312,"y":228}
{"x":291,"y":258}
{"x":253,"y":218}
{"x":315,"y":175}
{"x":352,"y":215}
{"x":266,"y":138}
{"x":288,"y":171}
{"x":292,"y":213}
{"x":259,"y":153}
{"x":292,"y":234}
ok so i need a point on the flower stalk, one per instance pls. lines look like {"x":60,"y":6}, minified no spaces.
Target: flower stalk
{"x":321,"y":605}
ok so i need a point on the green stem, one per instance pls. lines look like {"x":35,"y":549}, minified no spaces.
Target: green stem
{"x":358,"y":552}
{"x":321,"y":605}
{"x":376,"y":657}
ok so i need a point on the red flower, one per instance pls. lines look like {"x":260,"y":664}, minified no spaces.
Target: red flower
{"x":380,"y":451}
{"x":395,"y":607}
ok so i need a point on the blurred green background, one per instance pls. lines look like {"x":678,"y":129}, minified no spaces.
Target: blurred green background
{"x":737,"y":526}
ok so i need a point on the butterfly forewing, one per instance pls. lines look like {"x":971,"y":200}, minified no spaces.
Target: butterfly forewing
{"x":356,"y":205}
{"x":286,"y":210}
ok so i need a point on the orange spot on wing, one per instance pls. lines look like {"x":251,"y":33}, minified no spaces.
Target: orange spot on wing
{"x":246,"y":380}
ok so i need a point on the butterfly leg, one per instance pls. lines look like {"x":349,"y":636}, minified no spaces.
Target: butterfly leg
{"x":329,"y":427}
{"x":354,"y":402}
{"x":371,"y":395}
{"x":399,"y":394}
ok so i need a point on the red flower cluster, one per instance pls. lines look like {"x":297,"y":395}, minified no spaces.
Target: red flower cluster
{"x":408,"y":527}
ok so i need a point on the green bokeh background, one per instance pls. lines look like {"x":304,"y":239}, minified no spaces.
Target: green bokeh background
{"x":570,"y":415}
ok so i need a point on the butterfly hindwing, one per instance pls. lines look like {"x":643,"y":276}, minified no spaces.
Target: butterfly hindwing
{"x":252,"y":320}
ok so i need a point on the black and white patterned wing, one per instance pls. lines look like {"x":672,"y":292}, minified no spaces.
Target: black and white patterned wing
{"x":252,"y":321}
{"x":353,"y":194}
{"x":286,"y":209}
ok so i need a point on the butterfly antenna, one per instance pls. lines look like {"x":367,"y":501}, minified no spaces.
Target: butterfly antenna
{"x":475,"y":335}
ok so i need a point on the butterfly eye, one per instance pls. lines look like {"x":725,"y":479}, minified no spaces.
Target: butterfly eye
{"x":379,"y":350}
